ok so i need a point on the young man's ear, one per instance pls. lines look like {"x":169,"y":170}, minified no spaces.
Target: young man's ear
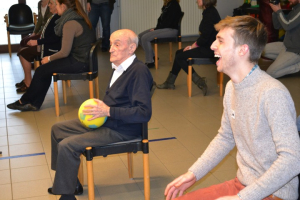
{"x":243,"y":49}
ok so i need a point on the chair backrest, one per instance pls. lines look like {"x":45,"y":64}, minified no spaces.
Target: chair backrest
{"x":179,"y":24}
{"x":20,"y":14}
{"x":93,"y":57}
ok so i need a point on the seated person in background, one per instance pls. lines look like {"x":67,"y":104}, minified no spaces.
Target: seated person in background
{"x":77,"y":37}
{"x":46,"y":45}
{"x":167,"y":25}
{"x":286,"y":53}
{"x":259,"y":119}
{"x":43,"y":15}
{"x":127,"y":104}
{"x":199,"y":49}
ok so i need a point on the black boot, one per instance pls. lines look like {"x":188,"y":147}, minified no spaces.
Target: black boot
{"x":200,"y":82}
{"x":169,"y":83}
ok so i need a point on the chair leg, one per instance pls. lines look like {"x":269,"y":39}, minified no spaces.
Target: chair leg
{"x":129,"y":160}
{"x":64,"y":91}
{"x":189,"y":81}
{"x":90,"y":176}
{"x":8,"y":43}
{"x":56,"y":95}
{"x":36,"y":64}
{"x":156,"y":56}
{"x":179,"y":42}
{"x":97,"y":87}
{"x":146,"y":176}
{"x":170,"y":51}
{"x":69,"y":83}
{"x":80,"y":171}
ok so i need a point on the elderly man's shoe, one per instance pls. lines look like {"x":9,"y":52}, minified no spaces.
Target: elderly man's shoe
{"x":78,"y":190}
{"x":22,"y":107}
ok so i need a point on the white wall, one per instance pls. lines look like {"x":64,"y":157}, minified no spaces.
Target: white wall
{"x":126,"y":11}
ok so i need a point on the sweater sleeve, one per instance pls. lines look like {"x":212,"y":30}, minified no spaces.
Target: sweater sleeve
{"x":139,"y":94}
{"x":280,"y":112}
{"x":219,"y":147}
{"x":289,"y":22}
{"x":71,"y":30}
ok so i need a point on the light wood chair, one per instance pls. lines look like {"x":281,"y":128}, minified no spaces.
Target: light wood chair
{"x":19,"y":21}
{"x":91,"y":76}
{"x":202,"y":61}
{"x":129,"y":147}
{"x":170,"y":40}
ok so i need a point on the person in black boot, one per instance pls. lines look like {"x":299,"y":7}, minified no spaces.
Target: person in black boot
{"x":199,"y":49}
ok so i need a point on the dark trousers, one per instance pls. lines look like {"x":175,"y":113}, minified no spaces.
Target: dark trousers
{"x":42,"y":78}
{"x":180,"y":61}
{"x":68,"y":141}
{"x":103,"y":11}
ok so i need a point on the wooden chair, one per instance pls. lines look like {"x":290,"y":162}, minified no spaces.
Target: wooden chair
{"x":170,"y":40}
{"x":19,"y":21}
{"x":91,"y":75}
{"x":202,"y":61}
{"x":129,"y":147}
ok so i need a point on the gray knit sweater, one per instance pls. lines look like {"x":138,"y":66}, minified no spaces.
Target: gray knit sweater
{"x":259,"y":118}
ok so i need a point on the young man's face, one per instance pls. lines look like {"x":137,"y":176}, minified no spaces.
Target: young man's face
{"x":224,"y":48}
{"x":120,"y":50}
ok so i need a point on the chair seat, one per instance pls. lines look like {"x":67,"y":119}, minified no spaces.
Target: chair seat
{"x":18,"y":29}
{"x":202,"y":61}
{"x":82,"y":76}
{"x":118,"y":147}
{"x":162,"y":40}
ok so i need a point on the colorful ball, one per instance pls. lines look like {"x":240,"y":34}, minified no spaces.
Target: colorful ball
{"x":95,"y":123}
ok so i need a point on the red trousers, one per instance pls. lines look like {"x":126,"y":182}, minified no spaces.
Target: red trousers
{"x":228,"y":188}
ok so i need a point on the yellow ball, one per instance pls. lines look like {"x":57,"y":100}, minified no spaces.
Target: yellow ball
{"x":95,"y":123}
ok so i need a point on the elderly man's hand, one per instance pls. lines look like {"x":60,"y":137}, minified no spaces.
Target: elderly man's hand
{"x":99,"y":110}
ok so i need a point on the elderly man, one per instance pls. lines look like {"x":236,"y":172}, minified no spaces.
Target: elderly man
{"x":286,"y":53}
{"x":259,"y":118}
{"x":127,"y":104}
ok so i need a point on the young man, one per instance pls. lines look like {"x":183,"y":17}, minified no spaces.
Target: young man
{"x":127,"y":104}
{"x":286,"y":53}
{"x":259,"y":118}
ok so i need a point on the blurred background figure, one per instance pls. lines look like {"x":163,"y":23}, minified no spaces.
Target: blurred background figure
{"x":102,"y":9}
{"x":46,"y":45}
{"x":167,"y":25}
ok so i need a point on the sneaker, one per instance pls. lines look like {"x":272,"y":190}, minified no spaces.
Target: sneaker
{"x":22,"y":107}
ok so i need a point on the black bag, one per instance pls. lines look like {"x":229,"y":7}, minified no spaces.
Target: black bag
{"x":241,"y":10}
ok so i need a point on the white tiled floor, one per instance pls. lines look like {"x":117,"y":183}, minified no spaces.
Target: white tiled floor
{"x":192,"y":121}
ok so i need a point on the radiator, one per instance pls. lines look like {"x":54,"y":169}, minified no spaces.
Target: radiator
{"x":139,"y":15}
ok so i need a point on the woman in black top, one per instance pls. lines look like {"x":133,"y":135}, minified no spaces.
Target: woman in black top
{"x":199,"y":49}
{"x":167,"y":25}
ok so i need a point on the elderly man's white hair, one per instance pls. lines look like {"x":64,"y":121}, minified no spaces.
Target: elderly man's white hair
{"x":132,"y":37}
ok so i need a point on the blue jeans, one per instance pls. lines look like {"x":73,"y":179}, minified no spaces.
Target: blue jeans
{"x":104,"y":12}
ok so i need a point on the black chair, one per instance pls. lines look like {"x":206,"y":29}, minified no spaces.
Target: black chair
{"x":170,"y":40}
{"x":129,"y":147}
{"x":91,"y":75}
{"x":202,"y":61}
{"x":19,"y":21}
